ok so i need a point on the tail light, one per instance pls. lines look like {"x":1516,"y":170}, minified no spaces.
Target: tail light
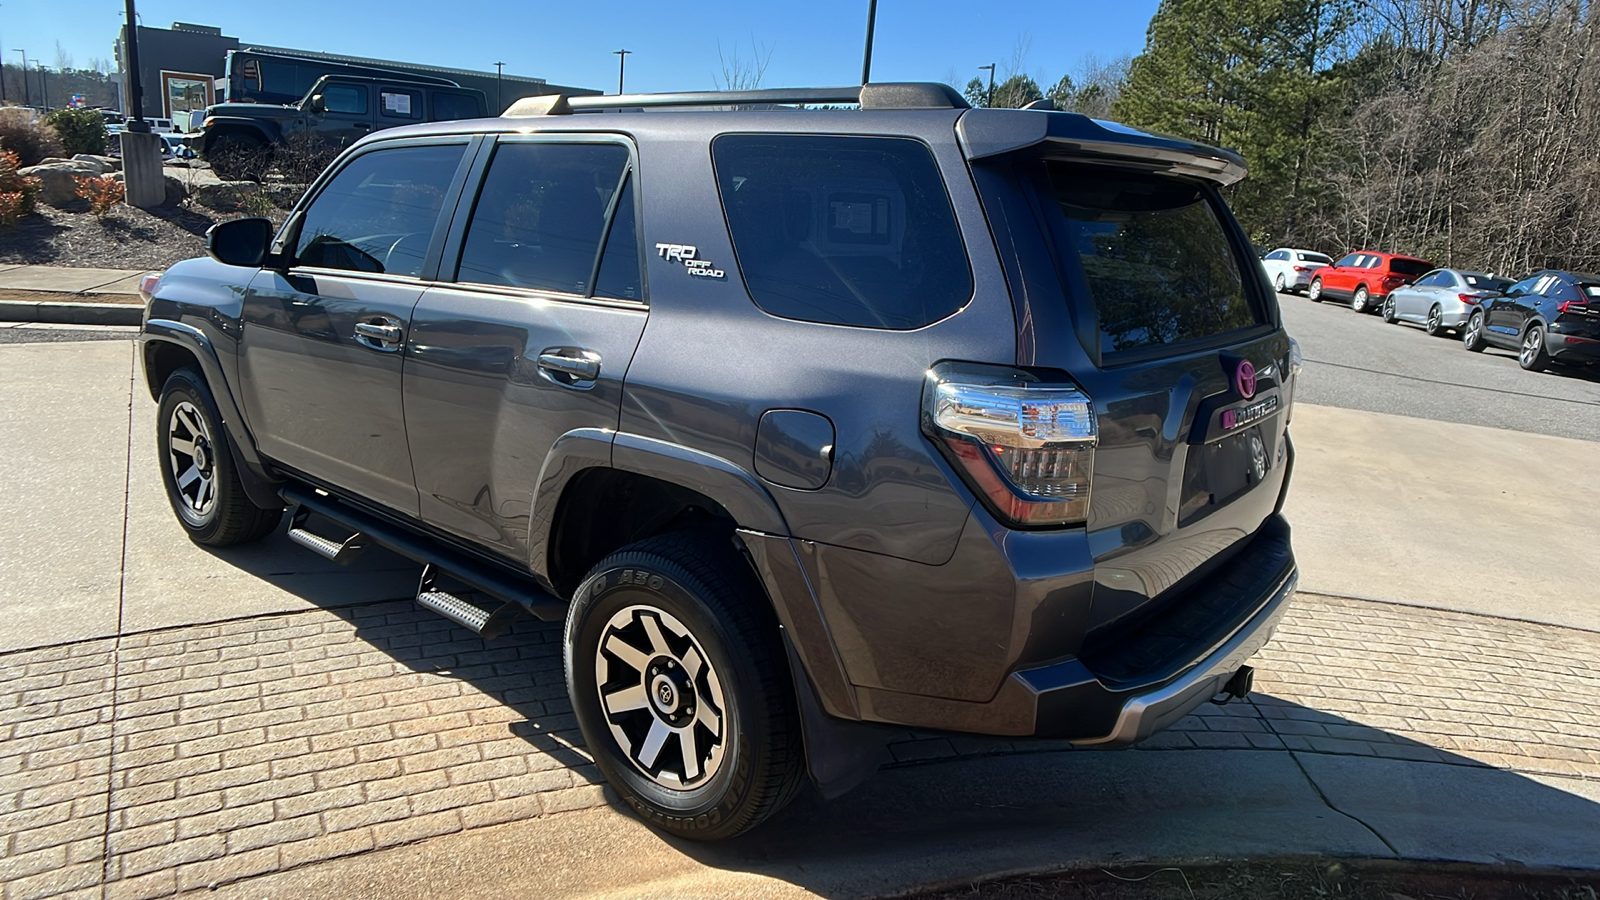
{"x":147,"y":285}
{"x":1302,"y":269}
{"x":1469,"y":299}
{"x":1573,"y":305}
{"x":1026,"y":447}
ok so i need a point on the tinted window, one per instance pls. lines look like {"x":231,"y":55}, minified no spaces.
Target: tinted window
{"x":1485,"y":282}
{"x":378,"y":213}
{"x":1409,"y":267}
{"x":345,"y":98}
{"x":447,"y":107}
{"x":541,"y":215}
{"x":1349,"y":261}
{"x":398,"y":104}
{"x":1436,"y":279}
{"x":1155,"y":255}
{"x":619,"y":265}
{"x":1317,"y":258}
{"x":1561,"y":290}
{"x":843,"y":230}
{"x":1278,"y":254}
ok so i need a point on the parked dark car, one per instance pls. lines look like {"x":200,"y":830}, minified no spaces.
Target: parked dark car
{"x":1365,"y":278}
{"x":801,"y":450}
{"x":1550,"y":316}
{"x":238,"y":139}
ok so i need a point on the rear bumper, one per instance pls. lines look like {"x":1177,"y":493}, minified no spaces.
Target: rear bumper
{"x":1572,"y":348}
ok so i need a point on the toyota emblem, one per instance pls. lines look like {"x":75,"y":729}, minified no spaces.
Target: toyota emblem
{"x":1244,"y":379}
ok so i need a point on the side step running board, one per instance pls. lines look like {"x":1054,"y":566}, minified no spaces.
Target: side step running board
{"x":341,"y":553}
{"x":478,"y":576}
{"x":464,"y":610}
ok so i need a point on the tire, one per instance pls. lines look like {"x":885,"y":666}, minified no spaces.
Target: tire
{"x":1435,"y":326}
{"x":1472,"y":335}
{"x":1314,"y":293}
{"x":1388,"y":311}
{"x":716,"y":670}
{"x":1533,"y":356}
{"x":1277,"y":282}
{"x":238,"y":157}
{"x":197,"y":468}
{"x":1360,"y":300}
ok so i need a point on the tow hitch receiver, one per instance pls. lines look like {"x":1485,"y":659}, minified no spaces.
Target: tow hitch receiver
{"x":1238,"y":687}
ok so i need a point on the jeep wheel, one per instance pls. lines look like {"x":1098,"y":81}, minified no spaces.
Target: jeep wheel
{"x":681,"y":686}
{"x":1533,"y":356}
{"x":1435,"y":326}
{"x":1358,"y":300}
{"x":1472,"y":337}
{"x":197,"y":468}
{"x":1314,"y":293}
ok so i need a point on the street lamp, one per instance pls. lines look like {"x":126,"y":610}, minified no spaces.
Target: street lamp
{"x":622,"y":67}
{"x":43,"y":89}
{"x":27,"y":93}
{"x":499,"y":73}
{"x":990,"y":100}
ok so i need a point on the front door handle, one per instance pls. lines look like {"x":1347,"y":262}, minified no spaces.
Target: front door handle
{"x":380,"y":333}
{"x":570,"y":367}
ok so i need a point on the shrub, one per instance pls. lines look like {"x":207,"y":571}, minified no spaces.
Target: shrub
{"x":18,"y":194}
{"x":29,"y":139}
{"x":102,"y":192}
{"x":80,"y":130}
{"x":257,"y":204}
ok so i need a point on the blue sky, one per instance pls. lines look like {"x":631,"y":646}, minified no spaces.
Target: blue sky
{"x":817,"y":42}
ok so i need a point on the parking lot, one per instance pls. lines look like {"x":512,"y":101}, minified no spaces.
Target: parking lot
{"x":264,"y":722}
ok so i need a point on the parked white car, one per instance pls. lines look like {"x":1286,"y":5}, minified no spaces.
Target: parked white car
{"x":1289,"y":269}
{"x":1442,"y":300}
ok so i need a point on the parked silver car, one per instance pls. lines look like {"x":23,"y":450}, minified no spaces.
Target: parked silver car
{"x":1290,"y":270}
{"x":1443,"y":299}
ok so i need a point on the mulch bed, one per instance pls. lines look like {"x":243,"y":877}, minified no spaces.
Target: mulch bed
{"x":127,"y":238}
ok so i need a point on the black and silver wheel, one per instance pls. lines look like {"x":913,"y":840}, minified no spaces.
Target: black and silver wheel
{"x":1358,"y":300}
{"x":1472,"y":336}
{"x":1435,"y":324}
{"x":1388,"y":311}
{"x":197,"y":468}
{"x":681,"y":686}
{"x":1532,"y":356}
{"x":1277,"y":282}
{"x":1314,"y":293}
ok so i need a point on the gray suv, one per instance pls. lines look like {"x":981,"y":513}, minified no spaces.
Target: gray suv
{"x":812,"y":425}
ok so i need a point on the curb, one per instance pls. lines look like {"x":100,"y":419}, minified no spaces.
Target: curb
{"x":63,"y":312}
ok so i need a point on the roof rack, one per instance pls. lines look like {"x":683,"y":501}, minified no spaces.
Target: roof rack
{"x":886,"y":95}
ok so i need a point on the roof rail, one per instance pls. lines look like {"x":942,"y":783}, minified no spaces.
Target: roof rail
{"x":887,"y":95}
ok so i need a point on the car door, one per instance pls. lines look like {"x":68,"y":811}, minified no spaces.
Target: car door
{"x":1504,"y":317}
{"x":1274,"y":265}
{"x":1412,"y":301}
{"x":1340,"y":279}
{"x":398,"y":105}
{"x":323,"y":336}
{"x":346,"y":113}
{"x":532,"y":338}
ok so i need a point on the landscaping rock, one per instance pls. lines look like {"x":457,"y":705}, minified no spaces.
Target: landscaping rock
{"x":285,"y":196}
{"x":58,"y":180}
{"x":224,"y":195}
{"x":103,"y":164}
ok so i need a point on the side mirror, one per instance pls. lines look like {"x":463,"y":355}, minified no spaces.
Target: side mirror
{"x":240,"y":242}
{"x":317,"y":104}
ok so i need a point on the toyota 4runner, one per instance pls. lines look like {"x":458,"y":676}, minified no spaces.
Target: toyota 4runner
{"x":804,"y":421}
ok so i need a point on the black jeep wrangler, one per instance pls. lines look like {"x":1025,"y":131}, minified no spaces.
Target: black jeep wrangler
{"x":804,"y":421}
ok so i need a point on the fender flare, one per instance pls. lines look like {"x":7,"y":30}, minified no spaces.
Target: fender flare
{"x":259,"y":485}
{"x":223,"y":124}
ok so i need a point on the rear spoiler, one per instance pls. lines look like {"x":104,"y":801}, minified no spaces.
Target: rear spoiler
{"x":986,"y":133}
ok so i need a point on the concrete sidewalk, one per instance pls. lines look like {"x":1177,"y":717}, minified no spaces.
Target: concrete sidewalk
{"x":69,"y":295}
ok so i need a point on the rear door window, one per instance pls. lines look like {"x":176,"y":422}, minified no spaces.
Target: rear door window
{"x":842,"y":230}
{"x":1154,"y":255}
{"x":398,"y":103}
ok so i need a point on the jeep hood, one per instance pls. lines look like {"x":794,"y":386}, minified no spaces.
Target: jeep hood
{"x":254,"y":111}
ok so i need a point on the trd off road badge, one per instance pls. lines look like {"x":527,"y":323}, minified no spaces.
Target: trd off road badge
{"x":690,"y":257}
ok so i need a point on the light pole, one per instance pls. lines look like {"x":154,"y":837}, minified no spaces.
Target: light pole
{"x":27,"y":93}
{"x":622,"y":67}
{"x":990,"y":99}
{"x":43,"y":89}
{"x":866,"y":56}
{"x":499,"y":73}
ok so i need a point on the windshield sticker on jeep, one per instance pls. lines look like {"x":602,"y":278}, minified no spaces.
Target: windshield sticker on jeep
{"x":689,"y":255}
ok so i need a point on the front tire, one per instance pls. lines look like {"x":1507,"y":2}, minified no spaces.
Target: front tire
{"x":197,"y":468}
{"x":1314,"y":293}
{"x":1388,"y":311}
{"x":681,"y":686}
{"x":1533,"y":356}
{"x":1359,"y":301}
{"x":1472,"y":337}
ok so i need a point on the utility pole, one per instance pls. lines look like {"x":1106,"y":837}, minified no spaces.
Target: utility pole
{"x":866,"y":56}
{"x":622,"y":67}
{"x":990,"y":100}
{"x":499,"y":73}
{"x":43,"y":88}
{"x":27,"y":93}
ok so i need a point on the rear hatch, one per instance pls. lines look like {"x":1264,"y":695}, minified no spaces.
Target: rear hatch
{"x":1132,"y":279}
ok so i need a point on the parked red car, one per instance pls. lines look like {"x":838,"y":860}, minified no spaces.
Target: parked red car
{"x":1365,"y":277}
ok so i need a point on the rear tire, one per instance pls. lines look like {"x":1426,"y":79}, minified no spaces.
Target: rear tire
{"x":1472,"y":337}
{"x":1359,"y":301}
{"x":1277,"y":282}
{"x":673,"y":654}
{"x":1314,"y":293}
{"x":1435,"y":326}
{"x":197,"y":468}
{"x":1533,"y":356}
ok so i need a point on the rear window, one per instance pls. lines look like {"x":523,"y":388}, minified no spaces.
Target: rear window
{"x":1154,"y":254}
{"x":447,"y":107}
{"x":1411,"y":267}
{"x":1485,"y":282}
{"x":1316,"y":258}
{"x":842,"y":230}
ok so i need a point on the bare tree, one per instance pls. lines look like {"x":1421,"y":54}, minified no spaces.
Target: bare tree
{"x":63,"y":58}
{"x":742,"y":73}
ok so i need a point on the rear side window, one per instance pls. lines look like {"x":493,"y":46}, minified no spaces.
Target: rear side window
{"x":843,"y":230}
{"x":1154,"y":254}
{"x":541,"y":216}
{"x":398,"y":104}
{"x":378,"y":213}
{"x":448,"y":107}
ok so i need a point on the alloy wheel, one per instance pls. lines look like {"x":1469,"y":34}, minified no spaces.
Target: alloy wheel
{"x":192,"y":456}
{"x":1435,"y":321}
{"x":1530,"y":347}
{"x":662,"y":699}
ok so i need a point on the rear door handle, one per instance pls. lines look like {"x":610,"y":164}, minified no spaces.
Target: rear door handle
{"x":570,"y":367}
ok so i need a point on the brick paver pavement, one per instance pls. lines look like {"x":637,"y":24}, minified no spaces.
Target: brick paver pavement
{"x":176,"y":759}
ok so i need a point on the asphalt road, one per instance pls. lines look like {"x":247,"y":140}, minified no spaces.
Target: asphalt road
{"x":1357,"y":362}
